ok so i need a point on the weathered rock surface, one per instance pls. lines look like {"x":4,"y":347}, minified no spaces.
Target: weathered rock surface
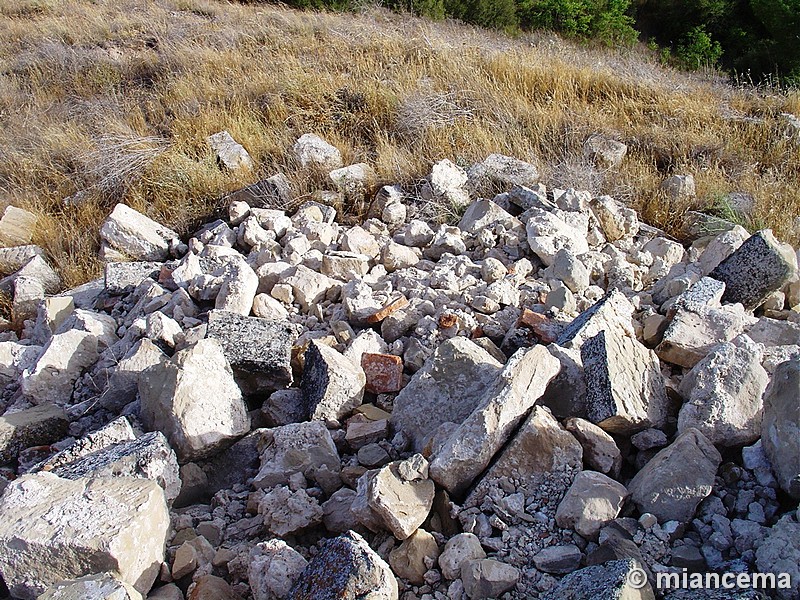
{"x":44,"y":424}
{"x":411,"y":559}
{"x":724,"y":394}
{"x":332,"y":385}
{"x":346,"y":568}
{"x":471,"y":445}
{"x":273,"y":569}
{"x":759,"y":266}
{"x":609,"y":581}
{"x":600,"y":451}
{"x":592,"y":501}
{"x":194,"y":401}
{"x":230,"y":153}
{"x":674,"y":482}
{"x":53,"y":529}
{"x":446,"y":389}
{"x":134,"y":235}
{"x":92,"y":587}
{"x":780,"y":553}
{"x":487,"y":578}
{"x":781,"y":426}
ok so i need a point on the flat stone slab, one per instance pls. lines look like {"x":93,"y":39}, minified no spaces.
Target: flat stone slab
{"x":35,"y":426}
{"x":123,"y":277}
{"x":254,"y":344}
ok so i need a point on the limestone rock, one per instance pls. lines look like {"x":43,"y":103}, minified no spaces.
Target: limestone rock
{"x":305,"y":448}
{"x":409,"y":559}
{"x":488,"y":578}
{"x":471,"y":446}
{"x":62,"y":360}
{"x":606,"y":153}
{"x":592,"y":501}
{"x":724,"y":394}
{"x":16,"y":358}
{"x":450,"y":385}
{"x":16,"y":226}
{"x":256,"y":346}
{"x":550,"y":231}
{"x":781,"y":426}
{"x":498,"y":172}
{"x":570,"y":270}
{"x":485,"y":214}
{"x":761,"y":265}
{"x":43,"y":424}
{"x":118,"y":430}
{"x":558,"y":559}
{"x":345,"y":568}
{"x":693,"y":333}
{"x":612,"y":312}
{"x":608,"y":581}
{"x":309,"y":287}
{"x":676,"y":479}
{"x":312,"y":151}
{"x":53,"y":529}
{"x":459,"y":550}
{"x":600,"y":451}
{"x":135,"y":235}
{"x":401,"y":506}
{"x":211,"y":587}
{"x":274,"y":567}
{"x":354,"y":181}
{"x":193,"y":400}
{"x":238,"y":289}
{"x":92,"y":587}
{"x":780,"y":553}
{"x":285,"y":511}
{"x":148,"y":457}
{"x":338,"y":516}
{"x":14,"y":258}
{"x":332,"y":385}
{"x":615,"y":220}
{"x":624,"y":387}
{"x":230,"y":153}
{"x":679,"y":187}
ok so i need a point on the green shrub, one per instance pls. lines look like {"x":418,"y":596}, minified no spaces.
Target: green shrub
{"x":495,"y":14}
{"x":606,"y":20}
{"x":696,"y":49}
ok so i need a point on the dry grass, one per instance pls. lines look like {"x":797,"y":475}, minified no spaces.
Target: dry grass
{"x":114,"y":100}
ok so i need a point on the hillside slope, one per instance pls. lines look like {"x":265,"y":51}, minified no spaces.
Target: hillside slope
{"x":114,"y":100}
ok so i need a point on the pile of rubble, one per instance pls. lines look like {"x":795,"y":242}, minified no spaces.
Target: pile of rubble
{"x":537,"y":403}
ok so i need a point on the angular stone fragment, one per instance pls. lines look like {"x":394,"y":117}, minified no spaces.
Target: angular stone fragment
{"x":471,"y":445}
{"x":285,"y":512}
{"x":273,"y":192}
{"x":616,"y":221}
{"x":309,"y":287}
{"x":614,"y":580}
{"x":693,"y":333}
{"x":624,"y":387}
{"x":16,"y":358}
{"x":410,"y":560}
{"x":122,"y":277}
{"x":238,"y":289}
{"x":558,"y":559}
{"x":488,"y":578}
{"x":485,"y":214}
{"x":16,"y":226}
{"x":761,"y":265}
{"x":345,"y":567}
{"x":14,"y":258}
{"x":312,"y":151}
{"x":677,"y":479}
{"x":600,"y":451}
{"x":92,"y":587}
{"x":211,"y":587}
{"x":605,"y":152}
{"x":498,"y":172}
{"x":305,"y":448}
{"x":273,"y":569}
{"x":62,"y":360}
{"x":354,"y":181}
{"x":613,"y":312}
{"x":332,"y":385}
{"x":398,"y":505}
{"x":193,"y":399}
{"x":724,"y":394}
{"x":123,"y":384}
{"x":148,"y":457}
{"x":384,"y":372}
{"x":254,"y":345}
{"x":392,"y":307}
{"x":43,"y":424}
{"x":447,"y":389}
{"x":592,"y":501}
{"x":230,"y":153}
{"x":540,"y":448}
{"x":345,"y":266}
{"x":549,"y":232}
{"x":118,"y":430}
{"x":338,"y":516}
{"x":779,"y":553}
{"x":35,"y":271}
{"x":53,"y":529}
{"x":137,"y":236}
{"x":781,"y":426}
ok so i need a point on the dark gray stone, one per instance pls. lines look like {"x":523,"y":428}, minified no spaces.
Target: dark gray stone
{"x":760,"y":266}
{"x":123,"y":277}
{"x":273,"y":192}
{"x":236,"y":465}
{"x":345,"y":568}
{"x":255,"y":346}
{"x":608,"y":581}
{"x":701,"y":594}
{"x":148,"y":457}
{"x":688,"y":557}
{"x":612,"y":310}
{"x":332,"y":384}
{"x":706,"y":292}
{"x":35,"y":426}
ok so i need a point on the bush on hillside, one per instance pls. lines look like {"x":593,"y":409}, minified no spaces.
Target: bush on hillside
{"x":606,"y":20}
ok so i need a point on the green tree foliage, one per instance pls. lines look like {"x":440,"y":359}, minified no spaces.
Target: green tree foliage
{"x":606,"y":20}
{"x":496,"y":14}
{"x":696,"y":49}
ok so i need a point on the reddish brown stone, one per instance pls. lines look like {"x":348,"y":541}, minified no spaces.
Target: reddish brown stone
{"x":544,"y":327}
{"x":359,"y":434}
{"x":447,"y":320}
{"x":393,"y":306}
{"x":209,"y":587}
{"x":384,"y":372}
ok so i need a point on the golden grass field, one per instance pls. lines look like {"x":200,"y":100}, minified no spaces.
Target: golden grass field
{"x":114,"y":100}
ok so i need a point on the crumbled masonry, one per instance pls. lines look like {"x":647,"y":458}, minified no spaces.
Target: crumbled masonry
{"x":540,"y":401}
